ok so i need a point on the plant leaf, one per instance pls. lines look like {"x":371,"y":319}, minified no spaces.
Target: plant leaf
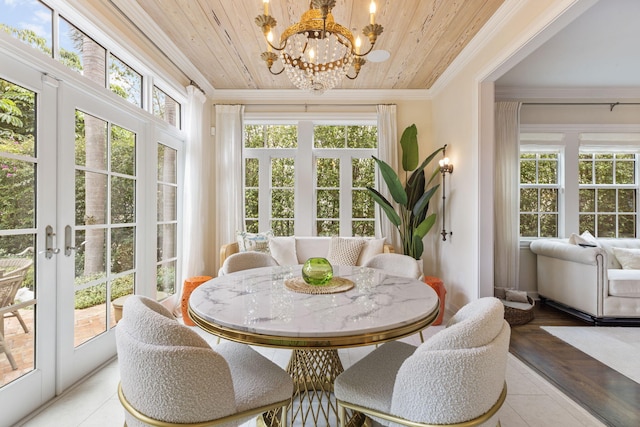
{"x":386,"y":206}
{"x":409,"y":143}
{"x":423,"y":203}
{"x":425,"y":226}
{"x":431,"y":156}
{"x":418,"y":246}
{"x":393,"y":182}
{"x":415,"y":188}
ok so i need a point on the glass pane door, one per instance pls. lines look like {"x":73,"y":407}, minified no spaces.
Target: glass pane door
{"x":18,"y":165}
{"x":105,"y":185}
{"x":97,"y":228}
{"x":27,"y":269}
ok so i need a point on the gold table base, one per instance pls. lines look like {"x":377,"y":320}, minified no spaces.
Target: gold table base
{"x":313,"y":402}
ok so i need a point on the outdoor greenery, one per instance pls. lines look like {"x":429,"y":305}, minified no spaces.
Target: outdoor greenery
{"x":607,"y":194}
{"x":95,"y":140}
{"x":327,"y":181}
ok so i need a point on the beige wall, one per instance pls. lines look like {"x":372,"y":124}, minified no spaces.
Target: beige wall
{"x":461,"y":123}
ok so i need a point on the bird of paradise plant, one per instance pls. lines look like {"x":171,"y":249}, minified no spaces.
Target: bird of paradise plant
{"x":411,"y":219}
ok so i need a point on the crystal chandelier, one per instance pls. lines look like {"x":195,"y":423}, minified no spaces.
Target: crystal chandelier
{"x":317,"y":53}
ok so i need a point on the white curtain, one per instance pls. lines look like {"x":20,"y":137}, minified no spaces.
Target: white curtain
{"x":507,"y":195}
{"x":229,"y":193}
{"x":387,"y":151}
{"x":196,"y":200}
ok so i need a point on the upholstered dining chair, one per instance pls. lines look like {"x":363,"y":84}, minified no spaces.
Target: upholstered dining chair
{"x":456,"y":378}
{"x":246,"y":260}
{"x":398,"y":264}
{"x":170,"y":376}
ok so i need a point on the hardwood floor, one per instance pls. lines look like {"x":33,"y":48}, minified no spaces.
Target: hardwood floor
{"x":610,"y":396}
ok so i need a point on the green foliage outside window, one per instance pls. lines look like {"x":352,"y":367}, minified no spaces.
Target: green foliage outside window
{"x":539,"y":185}
{"x":327,"y":178}
{"x":607,"y":208}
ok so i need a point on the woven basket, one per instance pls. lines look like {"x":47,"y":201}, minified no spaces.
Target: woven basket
{"x":518,"y":316}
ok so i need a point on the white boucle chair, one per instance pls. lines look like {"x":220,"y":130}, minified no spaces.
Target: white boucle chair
{"x":170,"y":376}
{"x":246,"y":260}
{"x":396,"y":264}
{"x":457,"y":377}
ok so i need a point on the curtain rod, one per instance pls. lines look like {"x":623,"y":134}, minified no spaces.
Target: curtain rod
{"x":313,"y":105}
{"x":610,"y":104}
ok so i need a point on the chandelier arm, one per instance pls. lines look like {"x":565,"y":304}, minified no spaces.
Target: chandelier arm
{"x":276,"y":74}
{"x":279,"y":49}
{"x":364,"y":54}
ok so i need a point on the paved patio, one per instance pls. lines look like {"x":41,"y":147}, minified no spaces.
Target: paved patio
{"x":89,"y":323}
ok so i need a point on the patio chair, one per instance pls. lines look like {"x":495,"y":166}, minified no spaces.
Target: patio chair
{"x":15,"y":267}
{"x":8,"y":289}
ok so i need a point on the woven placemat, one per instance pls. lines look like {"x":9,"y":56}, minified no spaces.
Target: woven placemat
{"x":335,"y":285}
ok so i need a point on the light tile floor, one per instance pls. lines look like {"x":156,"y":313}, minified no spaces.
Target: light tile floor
{"x":531,"y":401}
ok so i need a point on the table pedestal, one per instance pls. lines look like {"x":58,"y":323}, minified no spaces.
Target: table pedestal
{"x":313,"y":402}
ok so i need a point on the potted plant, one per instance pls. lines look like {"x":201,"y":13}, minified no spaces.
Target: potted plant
{"x":411,"y":220}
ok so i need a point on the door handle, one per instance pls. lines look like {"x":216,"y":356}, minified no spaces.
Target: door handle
{"x":50,"y":251}
{"x":67,"y":242}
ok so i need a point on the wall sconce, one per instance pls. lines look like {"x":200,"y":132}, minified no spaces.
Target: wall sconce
{"x":445,"y":167}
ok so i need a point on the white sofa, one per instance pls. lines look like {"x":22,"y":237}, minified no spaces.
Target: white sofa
{"x":589,"y":281}
{"x":317,"y":246}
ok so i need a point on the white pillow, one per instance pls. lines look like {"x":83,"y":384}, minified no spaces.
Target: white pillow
{"x":585,"y":239}
{"x":283,"y":249}
{"x":344,"y":251}
{"x":629,"y":259}
{"x":258,"y":242}
{"x":371,"y":248}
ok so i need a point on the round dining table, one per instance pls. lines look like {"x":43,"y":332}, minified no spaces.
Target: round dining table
{"x":273,"y":307}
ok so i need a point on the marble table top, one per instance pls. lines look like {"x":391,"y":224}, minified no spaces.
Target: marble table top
{"x":256,"y":302}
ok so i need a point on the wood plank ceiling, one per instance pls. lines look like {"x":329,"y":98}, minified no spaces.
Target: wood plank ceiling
{"x":221,"y":39}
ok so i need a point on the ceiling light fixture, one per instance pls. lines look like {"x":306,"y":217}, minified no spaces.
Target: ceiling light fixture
{"x":317,"y":53}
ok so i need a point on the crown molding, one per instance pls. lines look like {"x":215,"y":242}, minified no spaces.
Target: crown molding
{"x":334,"y":96}
{"x":566,"y":93}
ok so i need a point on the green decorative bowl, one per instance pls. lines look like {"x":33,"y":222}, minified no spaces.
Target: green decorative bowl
{"x":317,"y":271}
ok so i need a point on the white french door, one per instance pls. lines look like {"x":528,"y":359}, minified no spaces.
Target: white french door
{"x":97,"y":228}
{"x":73,"y":179}
{"x":28,"y":137}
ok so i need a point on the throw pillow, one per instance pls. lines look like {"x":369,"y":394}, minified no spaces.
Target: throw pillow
{"x":258,"y":242}
{"x":344,"y":251}
{"x":629,"y":259}
{"x":371,"y":248}
{"x":283,"y":249}
{"x":585,"y":239}
{"x":516,"y":296}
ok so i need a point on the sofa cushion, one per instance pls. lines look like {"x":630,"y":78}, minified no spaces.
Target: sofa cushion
{"x":258,"y":242}
{"x":371,"y":248}
{"x":283,"y":249}
{"x":344,"y":251}
{"x":311,"y":246}
{"x":585,"y":239}
{"x":624,"y":283}
{"x":608,"y":245}
{"x":629,"y":259}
